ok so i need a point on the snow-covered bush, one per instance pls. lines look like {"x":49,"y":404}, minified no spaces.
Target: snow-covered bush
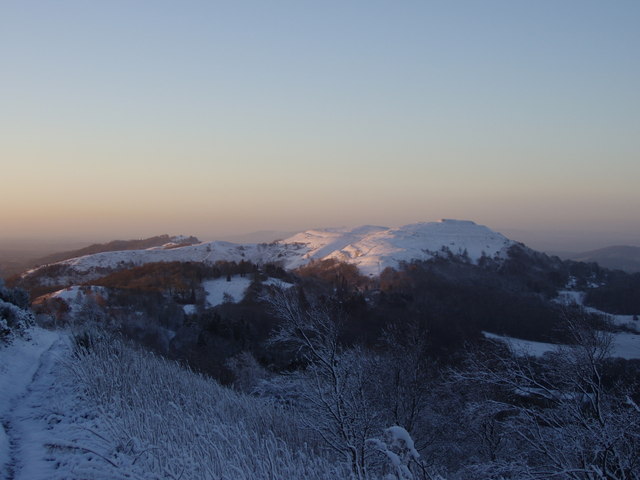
{"x":403,"y":460}
{"x":247,"y":371}
{"x":14,"y":314}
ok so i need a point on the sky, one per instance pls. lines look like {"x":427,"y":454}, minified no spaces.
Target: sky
{"x":126,"y":119}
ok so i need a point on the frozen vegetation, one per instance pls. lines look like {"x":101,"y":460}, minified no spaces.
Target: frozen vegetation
{"x":15,"y":316}
{"x":164,"y":421}
{"x":92,"y":405}
{"x":101,"y":409}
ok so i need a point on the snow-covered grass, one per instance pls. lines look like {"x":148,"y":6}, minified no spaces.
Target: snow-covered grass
{"x":624,"y":345}
{"x":48,"y":431}
{"x":523,"y":347}
{"x":111,"y":411}
{"x":220,"y":290}
{"x":172,"y":423}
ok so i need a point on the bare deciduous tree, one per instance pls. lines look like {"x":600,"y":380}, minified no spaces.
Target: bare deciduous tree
{"x":570,"y":423}
{"x":338,"y":384}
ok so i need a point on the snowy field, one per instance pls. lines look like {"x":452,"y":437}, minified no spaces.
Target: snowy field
{"x":625,"y":345}
{"x":220,"y":290}
{"x":523,"y":347}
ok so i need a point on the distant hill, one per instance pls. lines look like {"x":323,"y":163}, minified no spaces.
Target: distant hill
{"x":620,"y":257}
{"x":370,"y":248}
{"x":116,"y":246}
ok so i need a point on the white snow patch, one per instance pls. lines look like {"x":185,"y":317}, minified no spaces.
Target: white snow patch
{"x":67,"y":294}
{"x":276,"y":282}
{"x":220,"y":289}
{"x":217,"y":290}
{"x":624,"y":345}
{"x":523,"y":347}
{"x":189,"y":309}
{"x":401,"y":438}
{"x":570,"y":297}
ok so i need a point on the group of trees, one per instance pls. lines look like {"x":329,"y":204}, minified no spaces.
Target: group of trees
{"x":619,"y":295}
{"x":569,"y":415}
{"x":347,"y":394}
{"x":572,"y":414}
{"x":179,"y":280}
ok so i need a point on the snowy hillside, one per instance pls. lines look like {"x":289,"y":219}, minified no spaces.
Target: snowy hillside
{"x":204,"y":252}
{"x":371,"y":248}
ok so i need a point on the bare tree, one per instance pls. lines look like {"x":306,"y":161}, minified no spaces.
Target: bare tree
{"x":570,"y":422}
{"x":338,"y":383}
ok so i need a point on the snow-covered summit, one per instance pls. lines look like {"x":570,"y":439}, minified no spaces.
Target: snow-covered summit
{"x":374,"y":248}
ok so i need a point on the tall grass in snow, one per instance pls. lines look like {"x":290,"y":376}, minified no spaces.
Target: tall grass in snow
{"x":173,"y":423}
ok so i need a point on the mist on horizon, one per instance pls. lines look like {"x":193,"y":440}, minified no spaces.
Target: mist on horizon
{"x":554,"y":242}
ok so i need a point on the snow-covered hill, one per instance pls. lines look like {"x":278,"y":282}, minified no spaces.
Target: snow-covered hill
{"x":370,"y":248}
{"x":373,"y":248}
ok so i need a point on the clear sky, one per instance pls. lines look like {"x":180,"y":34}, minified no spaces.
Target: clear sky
{"x":123,"y":119}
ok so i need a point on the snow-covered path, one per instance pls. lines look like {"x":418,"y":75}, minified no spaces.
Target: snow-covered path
{"x":49,"y":430}
{"x":25,"y":378}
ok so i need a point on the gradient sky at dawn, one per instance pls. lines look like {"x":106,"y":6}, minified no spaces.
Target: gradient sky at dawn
{"x":123,"y":119}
